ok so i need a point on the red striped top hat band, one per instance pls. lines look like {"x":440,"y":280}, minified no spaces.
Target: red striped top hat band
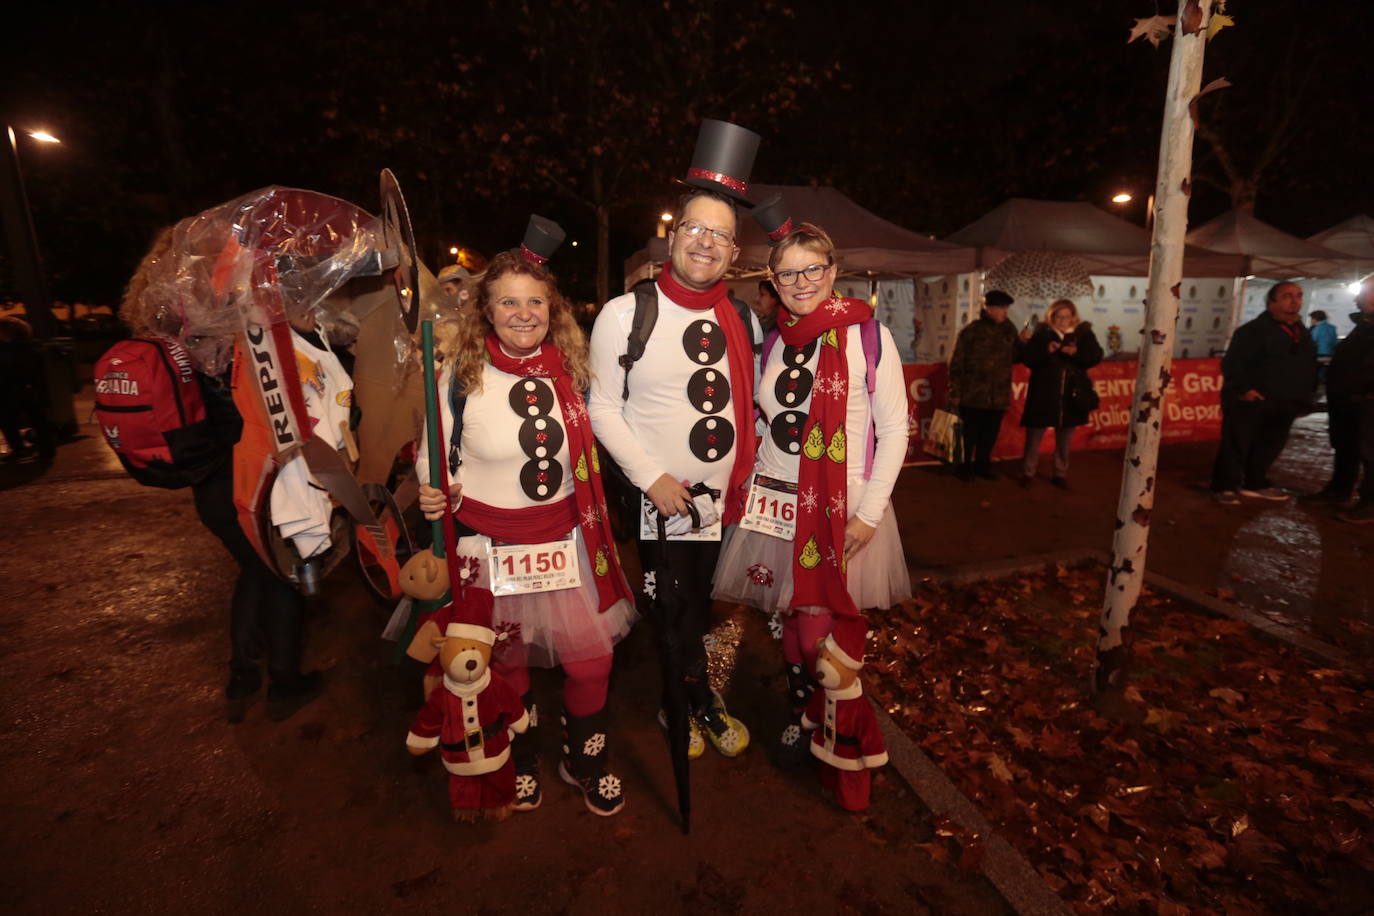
{"x":782,"y":231}
{"x":532,"y":257}
{"x":733,"y":184}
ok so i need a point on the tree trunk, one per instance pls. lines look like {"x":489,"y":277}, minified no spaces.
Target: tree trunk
{"x":1137,"y":497}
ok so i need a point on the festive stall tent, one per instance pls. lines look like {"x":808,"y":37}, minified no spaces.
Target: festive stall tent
{"x":1043,"y":249}
{"x":1354,"y":237}
{"x":1272,"y":255}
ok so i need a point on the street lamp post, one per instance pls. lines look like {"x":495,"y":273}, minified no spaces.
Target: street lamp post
{"x":23,"y":240}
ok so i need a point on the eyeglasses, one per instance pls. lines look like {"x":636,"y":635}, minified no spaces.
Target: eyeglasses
{"x":812,"y":273}
{"x":697,"y":230}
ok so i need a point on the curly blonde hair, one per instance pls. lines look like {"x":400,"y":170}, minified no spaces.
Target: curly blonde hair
{"x":139,"y":312}
{"x":464,"y":338}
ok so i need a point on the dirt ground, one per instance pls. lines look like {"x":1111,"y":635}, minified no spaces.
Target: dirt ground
{"x":126,"y":790}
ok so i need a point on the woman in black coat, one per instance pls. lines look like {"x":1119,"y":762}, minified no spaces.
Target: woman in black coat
{"x":1060,"y":395}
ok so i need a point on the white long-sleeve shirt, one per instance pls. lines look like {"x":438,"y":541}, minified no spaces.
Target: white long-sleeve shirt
{"x":679,"y":419}
{"x":501,"y":448}
{"x":780,"y":396}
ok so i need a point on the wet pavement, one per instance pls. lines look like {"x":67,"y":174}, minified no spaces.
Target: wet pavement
{"x":1293,"y":562}
{"x":126,"y":791}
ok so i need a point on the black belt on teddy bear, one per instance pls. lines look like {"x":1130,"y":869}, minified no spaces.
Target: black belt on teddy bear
{"x":474,"y":738}
{"x":833,"y":736}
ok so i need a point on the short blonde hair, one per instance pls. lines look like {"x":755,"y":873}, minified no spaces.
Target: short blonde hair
{"x":807,"y":235}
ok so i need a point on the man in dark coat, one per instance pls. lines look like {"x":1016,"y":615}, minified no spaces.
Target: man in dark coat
{"x":1350,"y":413}
{"x":980,"y":381}
{"x":1269,"y":375}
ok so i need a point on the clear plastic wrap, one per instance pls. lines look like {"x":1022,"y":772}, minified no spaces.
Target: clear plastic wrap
{"x":228,"y":262}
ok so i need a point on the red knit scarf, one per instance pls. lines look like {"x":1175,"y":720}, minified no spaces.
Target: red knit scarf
{"x":586,"y":470}
{"x":818,"y":561}
{"x":741,"y":360}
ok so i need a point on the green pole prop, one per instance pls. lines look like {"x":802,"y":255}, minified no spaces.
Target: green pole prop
{"x":432,"y":425}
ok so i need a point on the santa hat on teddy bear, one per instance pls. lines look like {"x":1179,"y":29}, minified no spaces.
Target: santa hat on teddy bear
{"x":469,"y":617}
{"x":846,"y":641}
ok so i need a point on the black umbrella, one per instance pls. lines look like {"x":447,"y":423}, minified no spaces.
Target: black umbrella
{"x":667,"y":608}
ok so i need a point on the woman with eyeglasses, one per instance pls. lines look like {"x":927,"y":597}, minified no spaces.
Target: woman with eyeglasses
{"x":819,"y":539}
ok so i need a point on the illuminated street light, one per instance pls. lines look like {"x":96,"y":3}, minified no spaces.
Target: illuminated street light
{"x":666,"y":217}
{"x":574,"y":244}
{"x":453,"y":251}
{"x":1122,"y":198}
{"x":43,"y":136}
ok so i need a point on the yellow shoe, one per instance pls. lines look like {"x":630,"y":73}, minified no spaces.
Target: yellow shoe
{"x":696,"y":745}
{"x":727,"y":734}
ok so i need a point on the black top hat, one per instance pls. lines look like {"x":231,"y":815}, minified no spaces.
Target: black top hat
{"x":995,"y":297}
{"x":723,"y":159}
{"x":542,"y":238}
{"x":772,"y":217}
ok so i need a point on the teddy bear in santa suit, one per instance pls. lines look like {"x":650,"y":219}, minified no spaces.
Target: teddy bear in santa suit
{"x":472,"y":714}
{"x":845,"y":736}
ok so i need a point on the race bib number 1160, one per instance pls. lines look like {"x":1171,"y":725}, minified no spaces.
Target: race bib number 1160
{"x":772,"y":507}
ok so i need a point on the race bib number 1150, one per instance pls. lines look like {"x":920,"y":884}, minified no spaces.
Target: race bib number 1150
{"x":518,"y":569}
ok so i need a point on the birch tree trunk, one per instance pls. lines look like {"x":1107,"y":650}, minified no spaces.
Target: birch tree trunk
{"x":1138,"y":477}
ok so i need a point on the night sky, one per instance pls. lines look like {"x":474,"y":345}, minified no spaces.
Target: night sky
{"x":928,"y":114}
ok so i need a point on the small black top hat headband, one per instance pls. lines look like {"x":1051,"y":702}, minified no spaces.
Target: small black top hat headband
{"x":542,"y":238}
{"x":773,"y":219}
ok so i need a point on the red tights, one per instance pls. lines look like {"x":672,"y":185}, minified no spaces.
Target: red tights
{"x":584,"y":686}
{"x":800,"y":633}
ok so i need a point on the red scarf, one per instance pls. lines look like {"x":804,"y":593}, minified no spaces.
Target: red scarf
{"x":741,"y":359}
{"x":586,"y":470}
{"x":818,"y":562}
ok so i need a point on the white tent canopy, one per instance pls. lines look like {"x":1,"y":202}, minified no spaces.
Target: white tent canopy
{"x":1271,"y":252}
{"x":1107,"y":245}
{"x":864,"y":242}
{"x":1354,"y":237}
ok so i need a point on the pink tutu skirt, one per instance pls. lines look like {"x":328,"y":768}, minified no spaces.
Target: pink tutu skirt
{"x":756,"y":569}
{"x":546,"y":629}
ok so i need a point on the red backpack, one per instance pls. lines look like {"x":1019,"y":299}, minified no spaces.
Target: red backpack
{"x":152,"y":412}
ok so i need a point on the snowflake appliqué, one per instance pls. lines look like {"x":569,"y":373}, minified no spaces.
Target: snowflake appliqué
{"x":760,"y":574}
{"x":594,"y":745}
{"x":775,"y":625}
{"x":837,"y":505}
{"x":468,"y":567}
{"x":608,"y":786}
{"x":834,"y":385}
{"x":834,"y":306}
{"x":576,"y":414}
{"x":507,"y":635}
{"x":591,"y":517}
{"x":525,"y":785}
{"x":791,"y":734}
{"x":651,"y":584}
{"x":808,"y":499}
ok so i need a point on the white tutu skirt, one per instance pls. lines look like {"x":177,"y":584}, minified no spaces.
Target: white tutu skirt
{"x":546,"y":629}
{"x":756,"y":569}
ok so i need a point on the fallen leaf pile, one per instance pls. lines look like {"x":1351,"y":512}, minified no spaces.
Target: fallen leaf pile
{"x":1232,"y":775}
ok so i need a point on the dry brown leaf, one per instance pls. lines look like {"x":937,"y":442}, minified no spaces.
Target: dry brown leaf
{"x":1227,"y":695}
{"x":998,"y":767}
{"x":1216,"y":23}
{"x":1132,"y":695}
{"x":1153,"y":29}
{"x":1163,"y":719}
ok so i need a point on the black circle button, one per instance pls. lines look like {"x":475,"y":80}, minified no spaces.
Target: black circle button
{"x":540,"y":478}
{"x":708,"y":390}
{"x":704,"y":342}
{"x":711,"y":438}
{"x":541,"y":437}
{"x":531,"y":397}
{"x":786,"y":430}
{"x":793,"y":386}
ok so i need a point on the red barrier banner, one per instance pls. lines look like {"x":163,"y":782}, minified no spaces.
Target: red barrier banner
{"x":1192,"y":406}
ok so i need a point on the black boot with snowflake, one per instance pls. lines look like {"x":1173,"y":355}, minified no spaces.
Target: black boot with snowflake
{"x":525,"y":752}
{"x":792,"y":749}
{"x":584,"y":763}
